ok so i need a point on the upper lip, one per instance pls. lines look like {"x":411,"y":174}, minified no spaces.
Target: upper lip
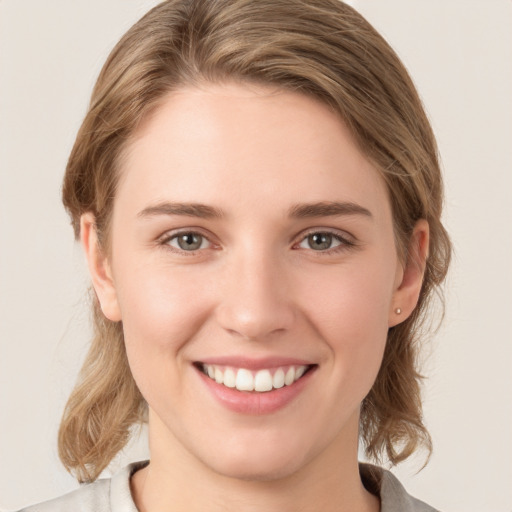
{"x":251,"y":363}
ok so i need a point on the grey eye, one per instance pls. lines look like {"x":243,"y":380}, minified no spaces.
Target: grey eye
{"x":188,"y":241}
{"x":320,"y":241}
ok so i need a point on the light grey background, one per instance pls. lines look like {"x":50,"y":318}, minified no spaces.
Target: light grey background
{"x":459,"y":53}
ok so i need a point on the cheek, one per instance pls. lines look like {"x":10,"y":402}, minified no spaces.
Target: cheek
{"x":161,"y":310}
{"x":349,"y":308}
{"x":158,"y":300}
{"x":350,"y":300}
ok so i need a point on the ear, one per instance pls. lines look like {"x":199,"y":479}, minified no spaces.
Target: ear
{"x":99,"y":268}
{"x":410,"y":277}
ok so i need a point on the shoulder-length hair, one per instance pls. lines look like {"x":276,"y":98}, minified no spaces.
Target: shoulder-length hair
{"x":321,"y":48}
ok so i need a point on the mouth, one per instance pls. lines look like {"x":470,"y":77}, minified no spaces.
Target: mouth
{"x":263,"y":380}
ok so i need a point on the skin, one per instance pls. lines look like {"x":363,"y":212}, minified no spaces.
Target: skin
{"x":256,"y":287}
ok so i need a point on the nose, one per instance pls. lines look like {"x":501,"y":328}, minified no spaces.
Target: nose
{"x":255,"y":298}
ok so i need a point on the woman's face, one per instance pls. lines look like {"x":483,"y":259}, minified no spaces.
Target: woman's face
{"x":251,"y":241}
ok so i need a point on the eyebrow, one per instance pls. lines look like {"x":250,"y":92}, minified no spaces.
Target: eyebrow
{"x":188,"y":209}
{"x":297,"y":211}
{"x":327,"y":209}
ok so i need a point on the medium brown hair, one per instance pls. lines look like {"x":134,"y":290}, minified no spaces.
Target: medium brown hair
{"x":321,"y":48}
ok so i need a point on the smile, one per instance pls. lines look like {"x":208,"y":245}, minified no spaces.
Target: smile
{"x":260,"y":381}
{"x":255,"y":386}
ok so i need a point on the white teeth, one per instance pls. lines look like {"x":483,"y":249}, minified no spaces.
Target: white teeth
{"x":244,"y":380}
{"x":299,"y":372}
{"x":263,"y":381}
{"x":229,"y":378}
{"x":290,"y":376}
{"x":278,"y":380}
{"x":260,"y":381}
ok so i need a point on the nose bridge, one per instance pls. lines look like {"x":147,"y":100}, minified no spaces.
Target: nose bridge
{"x":254,"y":297}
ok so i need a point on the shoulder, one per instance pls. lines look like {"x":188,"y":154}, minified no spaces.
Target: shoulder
{"x":90,"y":497}
{"x":104,"y":495}
{"x":392,"y":494}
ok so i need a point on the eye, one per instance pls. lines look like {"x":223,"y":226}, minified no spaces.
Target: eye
{"x":188,"y":241}
{"x":323,"y":241}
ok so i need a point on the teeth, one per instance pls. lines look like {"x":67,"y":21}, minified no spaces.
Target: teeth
{"x":300,"y":372}
{"x":278,"y":380}
{"x":244,"y":380}
{"x":229,"y":378}
{"x":263,"y":381}
{"x":290,"y":376}
{"x":260,"y":381}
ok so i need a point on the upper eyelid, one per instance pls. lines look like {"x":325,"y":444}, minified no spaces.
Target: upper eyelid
{"x":172,"y":233}
{"x":337,"y":233}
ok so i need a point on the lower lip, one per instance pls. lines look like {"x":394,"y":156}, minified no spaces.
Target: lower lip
{"x":254,"y":403}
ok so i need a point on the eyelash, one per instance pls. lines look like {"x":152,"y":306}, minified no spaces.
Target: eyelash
{"x":344,"y":242}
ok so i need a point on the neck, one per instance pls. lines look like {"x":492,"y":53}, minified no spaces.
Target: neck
{"x":180,"y":482}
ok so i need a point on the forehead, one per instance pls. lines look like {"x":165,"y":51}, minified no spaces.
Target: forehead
{"x":240,"y":143}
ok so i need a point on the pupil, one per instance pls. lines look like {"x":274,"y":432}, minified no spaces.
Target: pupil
{"x":190,"y":241}
{"x":320,"y":241}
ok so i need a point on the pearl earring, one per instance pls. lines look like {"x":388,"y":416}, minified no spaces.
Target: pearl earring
{"x":398,"y":311}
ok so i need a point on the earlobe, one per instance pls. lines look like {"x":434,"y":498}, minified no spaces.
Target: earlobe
{"x":408,"y":286}
{"x":99,"y":268}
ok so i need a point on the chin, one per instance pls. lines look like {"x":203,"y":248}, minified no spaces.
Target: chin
{"x":260,"y":471}
{"x":256,"y":461}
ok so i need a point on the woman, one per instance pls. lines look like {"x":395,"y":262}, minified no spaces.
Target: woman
{"x":257,"y":191}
